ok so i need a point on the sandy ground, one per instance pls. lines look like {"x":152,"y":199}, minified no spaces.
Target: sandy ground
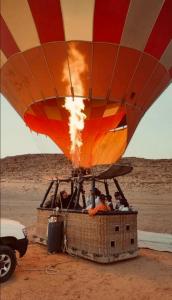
{"x":59,"y":276}
{"x":148,"y":188}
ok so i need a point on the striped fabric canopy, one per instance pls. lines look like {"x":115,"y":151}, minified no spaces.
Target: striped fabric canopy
{"x":116,"y":54}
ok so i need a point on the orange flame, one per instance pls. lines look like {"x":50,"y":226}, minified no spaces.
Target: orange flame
{"x":75,"y":105}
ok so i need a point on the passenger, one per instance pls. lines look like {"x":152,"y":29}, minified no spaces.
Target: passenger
{"x":68,"y":202}
{"x":64,"y":200}
{"x":97,"y":194}
{"x":117,"y":198}
{"x":100,"y":207}
{"x":121,"y":202}
{"x":109,"y":201}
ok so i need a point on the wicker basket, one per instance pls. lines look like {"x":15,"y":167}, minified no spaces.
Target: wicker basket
{"x":103,"y":238}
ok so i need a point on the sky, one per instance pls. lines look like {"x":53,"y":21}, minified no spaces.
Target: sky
{"x":152,"y":138}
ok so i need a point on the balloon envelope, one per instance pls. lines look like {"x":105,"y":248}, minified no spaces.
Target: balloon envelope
{"x":117,"y":55}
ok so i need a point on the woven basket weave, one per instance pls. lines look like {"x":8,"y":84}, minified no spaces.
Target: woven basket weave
{"x":103,"y":238}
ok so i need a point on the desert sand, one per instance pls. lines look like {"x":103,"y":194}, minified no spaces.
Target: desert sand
{"x":148,"y":188}
{"x":56,"y":277}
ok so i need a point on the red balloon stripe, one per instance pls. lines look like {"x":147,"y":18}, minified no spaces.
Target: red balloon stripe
{"x":48,"y":19}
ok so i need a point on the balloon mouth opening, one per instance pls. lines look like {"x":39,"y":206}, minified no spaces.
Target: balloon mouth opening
{"x":55,"y":109}
{"x":104,"y":136}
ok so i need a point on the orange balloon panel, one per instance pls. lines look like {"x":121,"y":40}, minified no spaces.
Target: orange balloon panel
{"x":116,"y":55}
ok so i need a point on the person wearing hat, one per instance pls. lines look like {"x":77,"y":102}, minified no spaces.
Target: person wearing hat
{"x":100,"y":207}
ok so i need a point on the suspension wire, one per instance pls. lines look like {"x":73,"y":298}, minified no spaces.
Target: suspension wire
{"x":147,"y":84}
{"x":114,"y":70}
{"x":70,"y":76}
{"x":34,"y":78}
{"x":38,"y":190}
{"x":134,"y":72}
{"x":50,"y":73}
{"x":23,"y":87}
{"x":44,"y":155}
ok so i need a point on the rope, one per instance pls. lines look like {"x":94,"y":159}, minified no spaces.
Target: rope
{"x":50,"y":269}
{"x":44,"y":155}
{"x":65,"y":231}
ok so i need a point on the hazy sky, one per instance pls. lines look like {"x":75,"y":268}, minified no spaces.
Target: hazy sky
{"x":152,"y":139}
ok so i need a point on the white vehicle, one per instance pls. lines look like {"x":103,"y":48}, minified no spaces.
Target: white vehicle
{"x":13,"y":236}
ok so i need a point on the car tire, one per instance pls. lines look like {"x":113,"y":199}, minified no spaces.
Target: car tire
{"x":7,"y":262}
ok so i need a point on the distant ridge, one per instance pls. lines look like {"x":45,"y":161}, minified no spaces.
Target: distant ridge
{"x":42,"y":166}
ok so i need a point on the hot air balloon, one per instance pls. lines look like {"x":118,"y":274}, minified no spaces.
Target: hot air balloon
{"x":114,"y":54}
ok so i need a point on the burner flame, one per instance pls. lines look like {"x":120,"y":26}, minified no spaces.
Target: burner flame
{"x":75,"y":105}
